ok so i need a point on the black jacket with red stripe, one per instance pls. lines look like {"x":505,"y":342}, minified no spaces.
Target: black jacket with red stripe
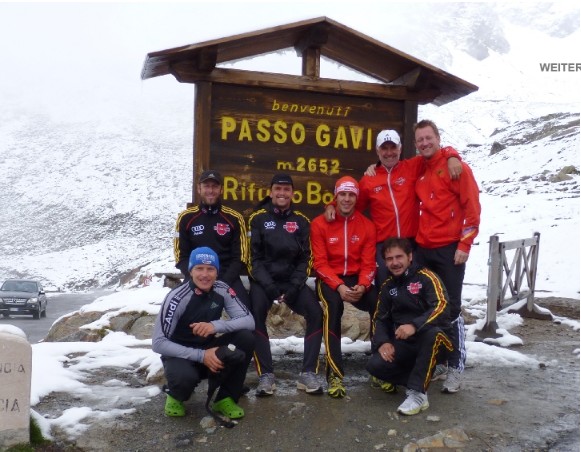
{"x":219,"y":227}
{"x":417,"y":297}
{"x":280,"y":250}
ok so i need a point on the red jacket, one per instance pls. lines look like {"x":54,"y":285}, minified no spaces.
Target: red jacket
{"x":391,"y":198}
{"x":449,"y":209}
{"x":344,"y":247}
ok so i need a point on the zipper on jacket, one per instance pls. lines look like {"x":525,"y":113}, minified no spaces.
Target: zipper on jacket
{"x":346,"y":251}
{"x":393,"y":201}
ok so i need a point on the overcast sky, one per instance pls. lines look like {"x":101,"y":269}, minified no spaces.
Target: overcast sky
{"x":51,"y":44}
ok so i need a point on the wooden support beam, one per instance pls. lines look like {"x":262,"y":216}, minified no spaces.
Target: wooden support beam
{"x":201,"y":151}
{"x":415,"y":80}
{"x":410,"y":117}
{"x":312,"y":62}
{"x":207,"y":58}
{"x":314,"y":38}
{"x":185,"y":73}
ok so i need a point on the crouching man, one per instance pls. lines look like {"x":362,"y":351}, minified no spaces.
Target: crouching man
{"x":408,"y":325}
{"x":185,"y":335}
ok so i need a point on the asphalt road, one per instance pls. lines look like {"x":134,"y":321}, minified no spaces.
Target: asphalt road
{"x":58,"y":305}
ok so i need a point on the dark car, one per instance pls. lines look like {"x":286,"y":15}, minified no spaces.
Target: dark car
{"x":22,"y":296}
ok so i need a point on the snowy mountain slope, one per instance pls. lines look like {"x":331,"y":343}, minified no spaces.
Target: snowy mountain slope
{"x":529,"y":156}
{"x":94,"y":191}
{"x":93,"y":176}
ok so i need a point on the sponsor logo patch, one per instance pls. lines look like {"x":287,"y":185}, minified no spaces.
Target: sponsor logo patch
{"x":393,"y":292}
{"x":333,"y":239}
{"x":269,"y":224}
{"x":291,"y":226}
{"x":222,"y":228}
{"x":414,"y":288}
{"x":400,"y":181}
{"x":355,"y":238}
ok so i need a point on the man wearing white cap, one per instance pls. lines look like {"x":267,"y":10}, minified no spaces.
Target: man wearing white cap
{"x":344,"y":261}
{"x":388,"y":190}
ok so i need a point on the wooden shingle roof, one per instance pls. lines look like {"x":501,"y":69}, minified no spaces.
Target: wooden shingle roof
{"x":333,"y":40}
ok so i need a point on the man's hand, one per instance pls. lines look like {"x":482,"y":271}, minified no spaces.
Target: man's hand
{"x":454,"y":168}
{"x":460,"y":257}
{"x":357,"y":292}
{"x":370,"y":171}
{"x":344,"y":292}
{"x":387,"y":352}
{"x":203,"y":329}
{"x":351,"y":294}
{"x":272,"y":292}
{"x":330,"y":213}
{"x":211,"y":361}
{"x":290,"y":296}
{"x":404,"y":331}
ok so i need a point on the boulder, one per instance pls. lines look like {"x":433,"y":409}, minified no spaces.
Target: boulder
{"x":142,"y":328}
{"x":68,"y":328}
{"x":281,"y":322}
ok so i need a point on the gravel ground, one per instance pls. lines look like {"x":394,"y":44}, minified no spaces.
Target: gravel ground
{"x":499,"y":408}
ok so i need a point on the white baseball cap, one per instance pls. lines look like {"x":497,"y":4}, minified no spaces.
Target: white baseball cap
{"x":388,"y":135}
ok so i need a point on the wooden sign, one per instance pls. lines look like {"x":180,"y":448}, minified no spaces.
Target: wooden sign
{"x":256,"y":132}
{"x":250,"y":125}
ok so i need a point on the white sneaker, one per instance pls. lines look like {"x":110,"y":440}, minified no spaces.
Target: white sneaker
{"x":453,"y":381}
{"x":414,"y":403}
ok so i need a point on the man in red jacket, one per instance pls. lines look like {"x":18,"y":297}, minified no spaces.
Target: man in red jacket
{"x":449,"y":221}
{"x":388,"y":190}
{"x":344,"y":262}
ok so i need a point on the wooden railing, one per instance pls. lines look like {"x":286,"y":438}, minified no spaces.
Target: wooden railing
{"x":519,"y":278}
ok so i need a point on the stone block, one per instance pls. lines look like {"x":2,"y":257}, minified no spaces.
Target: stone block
{"x":15,"y":374}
